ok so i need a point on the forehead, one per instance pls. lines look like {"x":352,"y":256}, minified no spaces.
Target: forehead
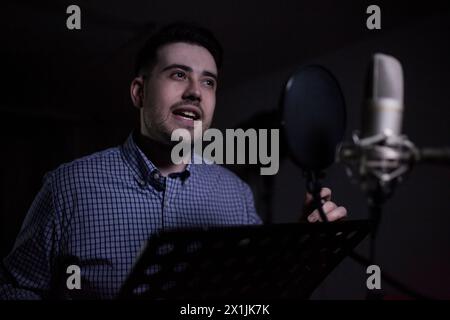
{"x":191,"y":55}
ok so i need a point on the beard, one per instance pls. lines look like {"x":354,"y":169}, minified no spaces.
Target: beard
{"x":159,"y":128}
{"x":155,"y":127}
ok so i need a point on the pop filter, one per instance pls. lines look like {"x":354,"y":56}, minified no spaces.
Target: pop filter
{"x":313,"y":121}
{"x":313,"y":117}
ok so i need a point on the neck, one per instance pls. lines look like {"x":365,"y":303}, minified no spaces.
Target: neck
{"x":158,"y":154}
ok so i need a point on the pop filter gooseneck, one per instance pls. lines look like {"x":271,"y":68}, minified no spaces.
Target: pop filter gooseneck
{"x":313,"y":119}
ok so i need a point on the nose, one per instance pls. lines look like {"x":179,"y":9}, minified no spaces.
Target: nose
{"x":192,"y":92}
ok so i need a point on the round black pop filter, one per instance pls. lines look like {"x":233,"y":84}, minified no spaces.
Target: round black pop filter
{"x":313,"y":117}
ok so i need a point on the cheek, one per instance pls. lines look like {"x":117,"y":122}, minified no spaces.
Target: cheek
{"x":163,"y":96}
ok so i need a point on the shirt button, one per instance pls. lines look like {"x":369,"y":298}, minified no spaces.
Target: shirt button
{"x":156,"y":175}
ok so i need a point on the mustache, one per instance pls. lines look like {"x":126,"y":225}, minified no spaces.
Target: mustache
{"x":187,"y":103}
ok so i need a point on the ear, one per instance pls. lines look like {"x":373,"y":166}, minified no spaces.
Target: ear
{"x":137,"y":92}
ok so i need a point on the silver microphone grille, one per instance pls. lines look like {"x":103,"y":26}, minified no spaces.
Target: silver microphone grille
{"x":384,"y":97}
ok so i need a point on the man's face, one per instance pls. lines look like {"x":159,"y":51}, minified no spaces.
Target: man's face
{"x":180,"y":88}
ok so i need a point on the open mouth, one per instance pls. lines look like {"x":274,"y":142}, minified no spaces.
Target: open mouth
{"x":188,"y":114}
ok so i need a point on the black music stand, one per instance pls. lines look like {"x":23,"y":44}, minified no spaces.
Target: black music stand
{"x":281,"y":261}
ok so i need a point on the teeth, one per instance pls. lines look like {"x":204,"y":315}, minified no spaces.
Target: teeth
{"x":188,"y":114}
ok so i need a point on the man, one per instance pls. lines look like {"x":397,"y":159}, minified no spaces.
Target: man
{"x":97,"y":212}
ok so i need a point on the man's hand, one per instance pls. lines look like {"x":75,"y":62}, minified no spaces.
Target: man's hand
{"x":332,"y":211}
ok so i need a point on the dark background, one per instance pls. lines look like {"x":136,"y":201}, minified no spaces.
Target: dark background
{"x":65,"y":93}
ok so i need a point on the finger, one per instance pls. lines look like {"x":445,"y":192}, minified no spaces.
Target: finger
{"x":327,"y":207}
{"x":325,"y":193}
{"x":308,"y":198}
{"x":314,"y":217}
{"x":337,"y":214}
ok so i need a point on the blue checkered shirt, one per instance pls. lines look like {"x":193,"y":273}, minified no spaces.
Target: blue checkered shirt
{"x":98,"y":212}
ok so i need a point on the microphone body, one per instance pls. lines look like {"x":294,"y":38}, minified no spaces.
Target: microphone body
{"x":382,"y":157}
{"x":384,"y":97}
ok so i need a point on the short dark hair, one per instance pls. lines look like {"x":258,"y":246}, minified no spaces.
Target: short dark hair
{"x":177,"y":32}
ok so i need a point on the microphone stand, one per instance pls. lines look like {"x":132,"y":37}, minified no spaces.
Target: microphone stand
{"x":378,"y":163}
{"x":375,"y":206}
{"x":376,"y":200}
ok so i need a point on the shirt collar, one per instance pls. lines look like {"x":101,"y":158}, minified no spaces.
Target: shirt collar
{"x":143,"y":168}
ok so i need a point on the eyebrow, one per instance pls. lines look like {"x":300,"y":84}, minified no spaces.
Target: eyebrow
{"x":189,"y":69}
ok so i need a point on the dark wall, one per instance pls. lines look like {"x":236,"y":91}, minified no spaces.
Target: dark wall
{"x":414,"y":242}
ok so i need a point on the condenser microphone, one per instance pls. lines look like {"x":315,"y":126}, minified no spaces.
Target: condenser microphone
{"x":379,"y":156}
{"x":384,"y":97}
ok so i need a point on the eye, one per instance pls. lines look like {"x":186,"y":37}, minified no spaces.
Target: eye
{"x":210,"y":83}
{"x":178,"y":75}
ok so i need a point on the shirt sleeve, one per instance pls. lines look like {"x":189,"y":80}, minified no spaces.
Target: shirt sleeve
{"x":253,"y":217}
{"x":26,"y":272}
